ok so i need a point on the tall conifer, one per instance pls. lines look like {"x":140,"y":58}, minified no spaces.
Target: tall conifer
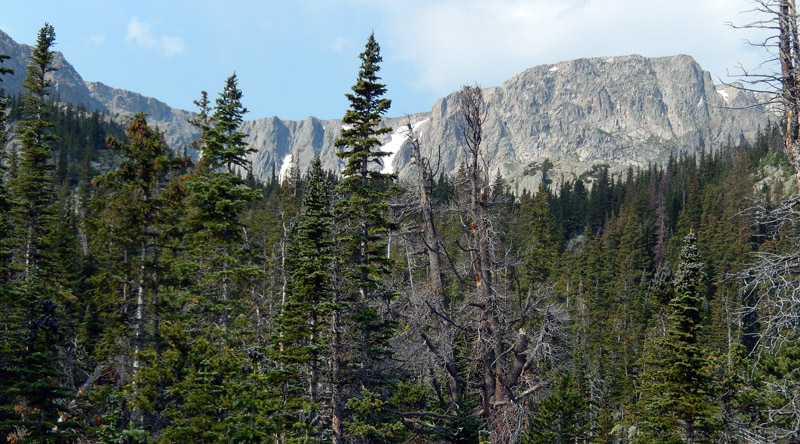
{"x":678,"y":402}
{"x":30,"y":365}
{"x":365,"y":191}
{"x":302,"y":337}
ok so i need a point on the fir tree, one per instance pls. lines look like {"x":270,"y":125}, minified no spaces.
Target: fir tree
{"x":678,"y":396}
{"x":365,"y":209}
{"x":302,"y":328}
{"x":31,"y":358}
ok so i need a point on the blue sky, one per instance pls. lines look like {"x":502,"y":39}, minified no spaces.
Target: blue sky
{"x":297,"y":58}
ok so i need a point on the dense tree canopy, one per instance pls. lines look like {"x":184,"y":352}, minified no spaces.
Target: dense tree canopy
{"x":149,"y":298}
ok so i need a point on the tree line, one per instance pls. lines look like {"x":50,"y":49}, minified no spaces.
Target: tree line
{"x":150,"y":297}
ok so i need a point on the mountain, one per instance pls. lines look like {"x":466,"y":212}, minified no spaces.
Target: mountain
{"x":618,"y":111}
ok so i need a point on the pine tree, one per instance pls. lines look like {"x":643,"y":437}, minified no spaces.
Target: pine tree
{"x":302,"y":328}
{"x":133,"y":231}
{"x":678,"y":396}
{"x":365,"y":210}
{"x":31,"y":361}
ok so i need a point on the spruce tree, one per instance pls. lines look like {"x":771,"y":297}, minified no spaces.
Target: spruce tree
{"x":678,"y":396}
{"x":217,"y":277}
{"x":364,"y":210}
{"x":31,"y":361}
{"x":33,"y":184}
{"x":302,"y":336}
{"x":5,"y":198}
{"x":133,"y":231}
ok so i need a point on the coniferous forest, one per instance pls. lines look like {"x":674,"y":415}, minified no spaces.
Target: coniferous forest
{"x":150,"y":297}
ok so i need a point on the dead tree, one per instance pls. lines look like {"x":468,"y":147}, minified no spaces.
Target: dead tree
{"x":779,"y":19}
{"x":771,"y":281}
{"x":434,"y":288}
{"x":504,"y":349}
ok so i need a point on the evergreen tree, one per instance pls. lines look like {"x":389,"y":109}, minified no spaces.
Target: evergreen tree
{"x":31,"y":363}
{"x":302,"y":338}
{"x":561,"y":417}
{"x":5,"y":198}
{"x":540,"y":245}
{"x":365,"y":211}
{"x":33,"y":184}
{"x":678,"y":396}
{"x":133,"y":230}
{"x":216,"y":278}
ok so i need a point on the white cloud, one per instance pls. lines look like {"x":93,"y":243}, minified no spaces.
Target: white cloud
{"x":453,"y":42}
{"x":141,"y":33}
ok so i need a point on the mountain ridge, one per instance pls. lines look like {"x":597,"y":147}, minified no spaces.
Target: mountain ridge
{"x":620,"y":111}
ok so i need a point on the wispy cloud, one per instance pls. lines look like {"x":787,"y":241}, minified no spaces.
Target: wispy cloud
{"x":141,"y":33}
{"x":469,"y":40}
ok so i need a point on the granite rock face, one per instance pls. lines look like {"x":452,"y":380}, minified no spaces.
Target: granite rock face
{"x":618,"y":111}
{"x":122,"y":105}
{"x":68,"y":86}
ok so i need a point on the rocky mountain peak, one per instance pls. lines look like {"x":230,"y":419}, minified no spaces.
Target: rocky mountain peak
{"x":617,"y":111}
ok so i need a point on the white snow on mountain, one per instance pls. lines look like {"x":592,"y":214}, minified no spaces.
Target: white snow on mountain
{"x":723,"y":93}
{"x":399,"y":136}
{"x":286,"y":166}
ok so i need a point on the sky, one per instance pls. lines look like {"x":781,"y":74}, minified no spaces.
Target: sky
{"x":297,"y":58}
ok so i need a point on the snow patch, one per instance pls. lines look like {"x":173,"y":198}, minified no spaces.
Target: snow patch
{"x":286,"y":166}
{"x":700,"y":102}
{"x":399,"y":136}
{"x":724,"y":94}
{"x":554,"y":68}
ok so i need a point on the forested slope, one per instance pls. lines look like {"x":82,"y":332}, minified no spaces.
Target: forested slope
{"x":147,"y":298}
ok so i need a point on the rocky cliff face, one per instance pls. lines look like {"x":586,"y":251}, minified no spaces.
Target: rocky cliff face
{"x":618,"y":111}
{"x":122,"y":105}
{"x":68,"y":86}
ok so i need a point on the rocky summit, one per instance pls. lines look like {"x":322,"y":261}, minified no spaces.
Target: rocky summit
{"x":615,"y":111}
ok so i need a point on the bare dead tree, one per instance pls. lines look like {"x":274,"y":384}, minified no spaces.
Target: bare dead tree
{"x":771,"y":282}
{"x":779,"y":19}
{"x":504,"y":350}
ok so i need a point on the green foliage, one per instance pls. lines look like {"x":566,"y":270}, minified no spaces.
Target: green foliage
{"x":678,"y":395}
{"x":364,"y":209}
{"x":373,"y":420}
{"x":35,"y":396}
{"x":302,"y":337}
{"x":560,"y":418}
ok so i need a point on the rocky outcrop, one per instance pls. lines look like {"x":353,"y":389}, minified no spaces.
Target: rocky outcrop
{"x":122,"y":105}
{"x":618,"y":111}
{"x":68,"y":86}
